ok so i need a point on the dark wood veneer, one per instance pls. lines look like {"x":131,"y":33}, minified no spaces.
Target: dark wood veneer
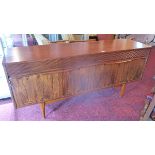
{"x":42,"y":74}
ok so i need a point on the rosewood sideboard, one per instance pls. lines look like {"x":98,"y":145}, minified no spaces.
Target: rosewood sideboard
{"x":48,"y":73}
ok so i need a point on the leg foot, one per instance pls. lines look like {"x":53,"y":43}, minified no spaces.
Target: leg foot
{"x":42,"y":105}
{"x":123,"y":89}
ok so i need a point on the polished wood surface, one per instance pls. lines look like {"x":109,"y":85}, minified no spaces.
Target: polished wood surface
{"x":55,"y":51}
{"x":44,"y":74}
{"x":53,"y":85}
{"x":34,"y":67}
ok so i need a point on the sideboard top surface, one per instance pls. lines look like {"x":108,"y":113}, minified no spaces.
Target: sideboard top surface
{"x":58,"y":51}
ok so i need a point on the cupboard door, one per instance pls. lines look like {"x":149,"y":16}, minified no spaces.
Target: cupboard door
{"x":32,"y":89}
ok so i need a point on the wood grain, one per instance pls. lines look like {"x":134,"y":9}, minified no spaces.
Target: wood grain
{"x":58,"y":51}
{"x":32,"y":89}
{"x":25,"y":68}
{"x":48,"y":73}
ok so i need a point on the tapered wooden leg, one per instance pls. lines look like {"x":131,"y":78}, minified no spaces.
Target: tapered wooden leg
{"x":123,"y":89}
{"x":42,"y":105}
